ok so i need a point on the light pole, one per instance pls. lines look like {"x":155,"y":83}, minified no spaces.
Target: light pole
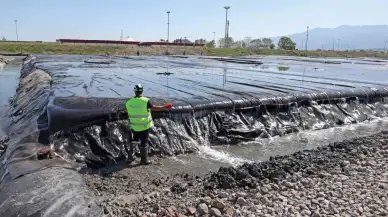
{"x":168,"y":30}
{"x":168,"y":26}
{"x":214,"y":39}
{"x":338,"y":44}
{"x":121,"y":35}
{"x":307,"y":37}
{"x":226,"y":26}
{"x":17,"y":35}
{"x":333,"y":45}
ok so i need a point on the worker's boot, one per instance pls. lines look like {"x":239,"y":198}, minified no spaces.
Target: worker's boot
{"x":144,"y":156}
{"x":131,"y":152}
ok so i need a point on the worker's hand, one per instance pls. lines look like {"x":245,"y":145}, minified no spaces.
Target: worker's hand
{"x":168,"y":106}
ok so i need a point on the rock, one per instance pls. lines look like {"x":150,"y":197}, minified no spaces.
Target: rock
{"x":180,"y":215}
{"x":306,"y":212}
{"x":229,"y":211}
{"x":170,"y":211}
{"x":275,"y":187}
{"x":315,"y":201}
{"x":139,"y":214}
{"x":178,"y":188}
{"x":251,"y":215}
{"x":241,"y":201}
{"x":156,"y":208}
{"x":241,"y":194}
{"x":264,"y":190}
{"x":316,"y":214}
{"x":127,"y":211}
{"x":127,"y":200}
{"x":191,"y":210}
{"x":236,"y":213}
{"x":215,"y":212}
{"x":321,"y":194}
{"x":107,"y":210}
{"x":219,"y":204}
{"x":223,"y":194}
{"x":288,"y":184}
{"x":203,"y":209}
{"x":207,"y":200}
{"x":147,"y":198}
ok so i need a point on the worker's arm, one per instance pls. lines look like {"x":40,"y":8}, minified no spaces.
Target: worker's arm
{"x":159,"y":108}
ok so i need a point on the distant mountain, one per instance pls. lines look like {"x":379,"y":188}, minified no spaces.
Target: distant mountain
{"x":353,"y":37}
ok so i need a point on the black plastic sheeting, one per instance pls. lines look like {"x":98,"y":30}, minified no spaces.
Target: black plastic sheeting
{"x":86,"y":126}
{"x":31,"y":186}
{"x":70,"y":105}
{"x":103,"y":138}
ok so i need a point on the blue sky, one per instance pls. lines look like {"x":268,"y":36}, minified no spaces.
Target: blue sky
{"x":146,"y":20}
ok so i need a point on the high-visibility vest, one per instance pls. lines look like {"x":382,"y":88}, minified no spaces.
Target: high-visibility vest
{"x":139,"y":115}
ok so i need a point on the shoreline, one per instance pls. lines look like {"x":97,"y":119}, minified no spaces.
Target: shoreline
{"x":345,"y":178}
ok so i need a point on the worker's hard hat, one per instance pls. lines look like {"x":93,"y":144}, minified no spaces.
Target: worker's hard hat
{"x":138,"y":88}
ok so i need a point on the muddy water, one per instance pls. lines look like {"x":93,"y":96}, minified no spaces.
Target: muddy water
{"x":211,"y":158}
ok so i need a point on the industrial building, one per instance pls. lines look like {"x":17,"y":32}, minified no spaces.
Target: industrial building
{"x":126,"y":43}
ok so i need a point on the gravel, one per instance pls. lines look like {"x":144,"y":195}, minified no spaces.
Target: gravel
{"x":348,"y":178}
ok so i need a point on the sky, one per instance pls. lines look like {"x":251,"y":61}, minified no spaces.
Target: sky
{"x":146,"y":20}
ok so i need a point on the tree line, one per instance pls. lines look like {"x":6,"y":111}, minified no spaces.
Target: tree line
{"x":285,"y":43}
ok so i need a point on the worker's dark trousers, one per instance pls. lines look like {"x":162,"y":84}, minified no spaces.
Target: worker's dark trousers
{"x":141,"y":136}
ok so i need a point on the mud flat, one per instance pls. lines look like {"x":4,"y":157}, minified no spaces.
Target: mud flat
{"x":347,"y":178}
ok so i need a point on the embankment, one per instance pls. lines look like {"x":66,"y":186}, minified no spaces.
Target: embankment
{"x":55,"y":48}
{"x":34,"y":182}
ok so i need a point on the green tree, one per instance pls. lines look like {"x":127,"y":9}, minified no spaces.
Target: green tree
{"x":200,"y":41}
{"x":272,"y":47}
{"x":267,"y":42}
{"x":211,"y":44}
{"x":221,"y":42}
{"x":285,"y":43}
{"x":255,"y":44}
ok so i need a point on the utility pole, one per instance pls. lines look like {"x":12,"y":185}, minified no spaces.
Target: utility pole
{"x":338,"y":44}
{"x":168,"y":30}
{"x":214,"y":39}
{"x":17,"y":36}
{"x":168,"y":26}
{"x":226,"y":27}
{"x":385,"y":46}
{"x":227,"y":34}
{"x":307,"y":37}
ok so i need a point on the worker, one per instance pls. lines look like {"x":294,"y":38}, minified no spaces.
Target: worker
{"x":140,"y":120}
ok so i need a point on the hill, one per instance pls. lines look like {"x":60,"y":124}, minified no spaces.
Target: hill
{"x":351,"y":37}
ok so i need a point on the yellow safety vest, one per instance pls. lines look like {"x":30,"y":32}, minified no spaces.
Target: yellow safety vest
{"x":139,"y":115}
